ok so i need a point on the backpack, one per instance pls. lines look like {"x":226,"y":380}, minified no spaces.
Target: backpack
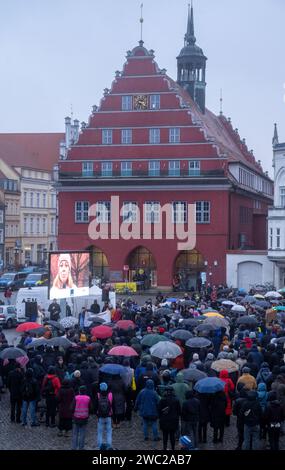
{"x":48,"y":390}
{"x":104,"y":406}
{"x":28,"y":390}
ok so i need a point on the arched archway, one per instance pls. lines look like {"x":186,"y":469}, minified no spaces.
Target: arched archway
{"x":188,"y":270}
{"x":100,"y":264}
{"x":142,"y":267}
{"x":249,"y":273}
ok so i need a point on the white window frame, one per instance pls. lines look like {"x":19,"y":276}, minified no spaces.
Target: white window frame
{"x":194,"y":168}
{"x":38,"y":225}
{"x":154,"y":102}
{"x":179,"y":212}
{"x":38,"y":199}
{"x":130,"y":212}
{"x":44,"y":200}
{"x":87,"y":169}
{"x":1,"y":216}
{"x":126,"y":168}
{"x":126,"y":136}
{"x":278,"y":237}
{"x":31,"y":225}
{"x":174,"y":168}
{"x":271,"y":238}
{"x":52,"y":226}
{"x":282,"y":196}
{"x":152,"y":212}
{"x":25,"y":225}
{"x":127,"y":102}
{"x":107,"y":136}
{"x":174,"y":135}
{"x":103,"y":212}
{"x":31,"y":199}
{"x":1,"y":235}
{"x":25,"y":198}
{"x":203,"y":212}
{"x":107,"y":169}
{"x":154,"y":168}
{"x":44,"y":225}
{"x":81,"y":209}
{"x":154,"y":135}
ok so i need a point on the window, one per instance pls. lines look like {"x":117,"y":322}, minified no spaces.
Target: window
{"x":256,"y":204}
{"x":107,"y":169}
{"x":179,"y":212}
{"x":52,"y":226}
{"x":38,"y":200}
{"x":25,"y":198}
{"x":202,"y":212}
{"x":38,"y":225}
{"x":245,"y":215}
{"x":81,"y":211}
{"x":126,"y":168}
{"x":271,"y":238}
{"x":194,"y":168}
{"x":44,"y":225}
{"x":174,"y":168}
{"x":154,"y":101}
{"x":53,"y":201}
{"x":107,"y":136}
{"x":126,"y":136}
{"x":1,"y":235}
{"x":278,"y":238}
{"x":154,"y":168}
{"x":152,"y":212}
{"x":25,"y":225}
{"x":31,"y":225}
{"x":103,"y":211}
{"x":174,"y":135}
{"x":127,"y":103}
{"x":44,"y":200}
{"x":282,"y":196}
{"x":130,"y":211}
{"x":87,"y":169}
{"x":154,"y":136}
{"x":31,"y":199}
{"x":1,"y":217}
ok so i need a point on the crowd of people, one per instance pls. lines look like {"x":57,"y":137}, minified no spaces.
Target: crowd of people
{"x":185,"y":366}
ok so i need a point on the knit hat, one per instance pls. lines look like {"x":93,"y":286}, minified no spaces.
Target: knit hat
{"x":103,"y":387}
{"x":77,"y":374}
{"x":164,"y":363}
{"x":186,"y":442}
{"x":252,"y":334}
{"x":195,"y":357}
{"x":210,"y":356}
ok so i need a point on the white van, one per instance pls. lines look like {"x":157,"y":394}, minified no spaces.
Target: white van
{"x":40,"y":295}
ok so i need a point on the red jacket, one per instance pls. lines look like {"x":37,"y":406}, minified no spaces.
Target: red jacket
{"x":229,"y":387}
{"x":55,"y":381}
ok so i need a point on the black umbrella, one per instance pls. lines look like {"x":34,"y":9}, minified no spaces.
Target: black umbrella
{"x":281,"y":340}
{"x":60,"y":341}
{"x":198,"y":342}
{"x":12,"y":353}
{"x":205,"y":327}
{"x":247,"y":320}
{"x":193,"y":374}
{"x":37,"y":331}
{"x":55,"y":324}
{"x":192,"y":322}
{"x":249,"y":299}
{"x":221,"y":300}
{"x":188,"y":303}
{"x":223,"y":291}
{"x":37,"y":343}
{"x":183,"y":335}
{"x":164,"y":311}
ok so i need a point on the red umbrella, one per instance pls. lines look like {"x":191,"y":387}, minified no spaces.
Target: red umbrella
{"x":30,"y":325}
{"x":126,"y":351}
{"x":102,"y":332}
{"x":125,"y":324}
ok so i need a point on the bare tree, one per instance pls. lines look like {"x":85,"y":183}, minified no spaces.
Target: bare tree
{"x":80,"y":264}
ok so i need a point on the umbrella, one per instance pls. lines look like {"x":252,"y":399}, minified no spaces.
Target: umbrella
{"x":126,"y":351}
{"x":55,"y":324}
{"x":213,"y":314}
{"x":12,"y":353}
{"x":258,"y":296}
{"x":37,"y":331}
{"x":224,"y":364}
{"x":242,"y":291}
{"x":163,"y":311}
{"x":198,"y":342}
{"x":29,"y":325}
{"x":279,"y":308}
{"x":37,"y":343}
{"x":183,"y":335}
{"x":262,"y":303}
{"x":102,"y":332}
{"x":165,"y":350}
{"x":273,"y":294}
{"x":192,"y":322}
{"x":223,"y":291}
{"x":247,"y":320}
{"x":209,"y":310}
{"x":193,"y":374}
{"x":250,"y":299}
{"x":280,"y":340}
{"x":205,"y":327}
{"x":188,"y":303}
{"x":228,"y":303}
{"x":95,"y":320}
{"x":220,"y":300}
{"x":209,"y":385}
{"x":238,"y":308}
{"x":68,"y":322}
{"x":125,"y":325}
{"x":60,"y":341}
{"x":217,"y":322}
{"x":171,"y":299}
{"x":112,"y":369}
{"x":151,"y":340}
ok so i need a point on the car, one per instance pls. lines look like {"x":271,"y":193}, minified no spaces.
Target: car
{"x":36,"y":279}
{"x":13,"y":280}
{"x":8,"y":316}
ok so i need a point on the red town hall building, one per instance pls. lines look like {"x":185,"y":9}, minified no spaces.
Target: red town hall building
{"x":152,"y":141}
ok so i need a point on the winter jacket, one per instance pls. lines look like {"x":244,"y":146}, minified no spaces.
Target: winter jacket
{"x":248,"y":381}
{"x":65,"y":398}
{"x":30,"y":383}
{"x":262,"y":395}
{"x":147,"y":402}
{"x":118,"y":390}
{"x":251,"y":411}
{"x":191,"y":409}
{"x":55,"y":382}
{"x":14,"y":384}
{"x":229,"y":388}
{"x":180,"y":388}
{"x":263,"y":374}
{"x":255,"y":356}
{"x":238,"y":404}
{"x":274,"y":413}
{"x":169,"y":411}
{"x":219,"y":406}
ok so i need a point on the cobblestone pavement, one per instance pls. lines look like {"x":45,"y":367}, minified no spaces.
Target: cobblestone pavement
{"x":14,"y":436}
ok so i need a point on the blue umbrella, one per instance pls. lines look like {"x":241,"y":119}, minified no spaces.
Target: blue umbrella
{"x":209,"y":385}
{"x":112,"y":369}
{"x":171,"y":299}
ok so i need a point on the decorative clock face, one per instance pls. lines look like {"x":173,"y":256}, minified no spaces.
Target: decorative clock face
{"x":140,"y":102}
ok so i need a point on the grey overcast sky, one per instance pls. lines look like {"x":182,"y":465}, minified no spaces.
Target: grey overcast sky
{"x":54,"y":53}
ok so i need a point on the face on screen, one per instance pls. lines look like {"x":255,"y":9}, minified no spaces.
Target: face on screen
{"x":64,"y":271}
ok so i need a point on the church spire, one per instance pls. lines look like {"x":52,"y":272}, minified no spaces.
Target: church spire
{"x":190,"y":35}
{"x":275,"y":140}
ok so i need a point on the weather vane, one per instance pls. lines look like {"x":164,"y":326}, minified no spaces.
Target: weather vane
{"x":141,"y":21}
{"x":221,"y":101}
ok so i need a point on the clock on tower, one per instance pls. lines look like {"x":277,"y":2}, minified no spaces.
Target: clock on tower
{"x":140,"y":102}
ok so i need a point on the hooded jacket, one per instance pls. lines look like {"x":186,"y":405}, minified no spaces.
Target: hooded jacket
{"x":263,"y":374}
{"x":169,"y":411}
{"x":229,"y":388}
{"x":251,"y":411}
{"x":180,"y":388}
{"x":255,"y":356}
{"x":147,"y":402}
{"x":262,"y":395}
{"x":248,"y":381}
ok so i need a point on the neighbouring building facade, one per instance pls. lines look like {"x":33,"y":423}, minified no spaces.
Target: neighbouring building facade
{"x":276,"y":214}
{"x":26,"y":164}
{"x":152,"y":141}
